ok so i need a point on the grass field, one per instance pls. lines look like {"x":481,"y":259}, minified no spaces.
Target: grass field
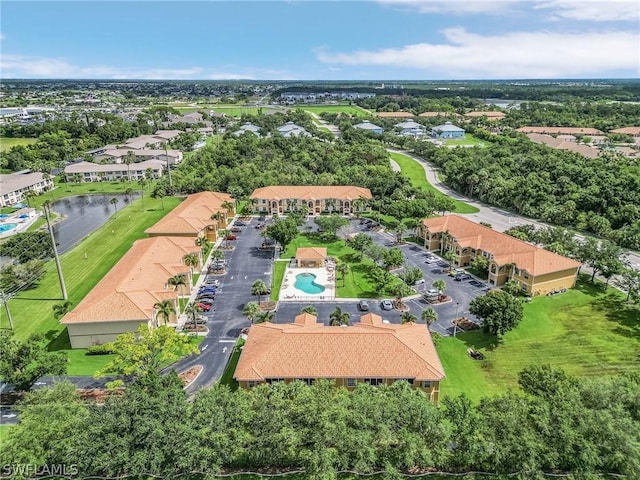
{"x":412,"y":169}
{"x":32,"y":310}
{"x":348,"y":109}
{"x":278,"y":274}
{"x":7,"y":143}
{"x":468,"y":140}
{"x":227,"y":376}
{"x":585,"y":331}
{"x":357,"y":283}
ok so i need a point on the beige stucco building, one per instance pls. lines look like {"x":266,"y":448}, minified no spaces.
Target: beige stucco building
{"x":311,"y":199}
{"x":126,"y":296}
{"x":537,"y":270}
{"x":368,"y":352}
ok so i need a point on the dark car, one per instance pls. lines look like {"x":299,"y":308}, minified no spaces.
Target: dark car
{"x":461,"y":277}
{"x":240,"y":224}
{"x":476,"y":283}
{"x":261,"y":218}
{"x":207,"y":291}
{"x":236,"y":229}
{"x":363,"y":306}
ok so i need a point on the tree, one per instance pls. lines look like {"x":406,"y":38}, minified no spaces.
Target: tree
{"x":259,"y":288}
{"x":451,"y":257}
{"x":512,"y":286}
{"x":22,"y":363}
{"x":266,"y":316}
{"x":201,"y":241}
{"x":499,"y":310}
{"x":228,"y":205}
{"x":178,"y":281}
{"x":360,"y":242}
{"x":439,"y":285}
{"x":408,"y":317}
{"x":146,"y":351}
{"x":192,"y":310}
{"x":251,"y":310}
{"x":429,"y":316}
{"x":599,"y":254}
{"x":330,"y":224}
{"x":160,"y":192}
{"x":217,"y":254}
{"x":191,"y":260}
{"x":629,"y":282}
{"x":164,"y":310}
{"x":481,"y":265}
{"x":129,"y":158}
{"x":114,"y":202}
{"x":393,"y":258}
{"x":310,"y":309}
{"x":129,"y":192}
{"x":399,"y":230}
{"x":343,"y":268}
{"x":282,"y":231}
{"x":61,"y":309}
{"x":338,"y":317}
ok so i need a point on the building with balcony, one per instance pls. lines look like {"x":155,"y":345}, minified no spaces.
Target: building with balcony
{"x":14,"y":187}
{"x":110,"y":172}
{"x":538,"y":271}
{"x":370,"y":351}
{"x":311,"y":199}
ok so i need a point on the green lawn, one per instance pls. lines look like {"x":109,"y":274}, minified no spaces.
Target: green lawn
{"x":227,"y":376}
{"x":278,"y":274}
{"x":7,"y":143}
{"x":238,"y":111}
{"x":468,"y":140}
{"x":357,"y":284}
{"x":348,"y":109}
{"x":32,"y":310}
{"x":412,"y":169}
{"x":584,"y":332}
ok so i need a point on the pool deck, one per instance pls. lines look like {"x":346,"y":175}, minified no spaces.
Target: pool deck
{"x":325,"y":276}
{"x":22,"y":224}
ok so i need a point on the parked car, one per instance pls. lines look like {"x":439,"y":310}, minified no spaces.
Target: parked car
{"x":261,"y":218}
{"x":363,"y":306}
{"x":236,"y":229}
{"x":461,"y":277}
{"x":240,"y":224}
{"x":210,"y":281}
{"x":207,"y":292}
{"x":199,"y":321}
{"x":386,"y":305}
{"x":231,"y":237}
{"x":420,"y":281}
{"x":259,"y":225}
{"x":204,"y":306}
{"x":456,"y":271}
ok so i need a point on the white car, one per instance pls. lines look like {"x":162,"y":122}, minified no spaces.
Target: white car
{"x":386,"y":305}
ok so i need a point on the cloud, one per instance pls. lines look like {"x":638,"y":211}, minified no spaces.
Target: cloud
{"x":512,"y":55}
{"x":25,"y":66}
{"x":591,"y":10}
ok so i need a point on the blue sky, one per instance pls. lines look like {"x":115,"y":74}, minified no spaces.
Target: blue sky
{"x":332,"y":40}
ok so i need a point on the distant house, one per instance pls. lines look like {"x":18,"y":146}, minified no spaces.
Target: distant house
{"x":494,"y":116}
{"x":98,"y":172}
{"x":14,"y":186}
{"x":447,"y":130}
{"x":559,"y":143}
{"x":119,"y":155}
{"x":369,"y":127}
{"x":410,"y":129}
{"x":124,"y":299}
{"x":370,"y":351}
{"x":247,"y":127}
{"x":581,"y":131}
{"x":290,"y":129}
{"x":395,"y":114}
{"x":633,"y":131}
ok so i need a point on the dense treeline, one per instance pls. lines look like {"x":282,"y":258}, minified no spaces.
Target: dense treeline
{"x":556,"y":424}
{"x":604,"y":116}
{"x":600,"y":195}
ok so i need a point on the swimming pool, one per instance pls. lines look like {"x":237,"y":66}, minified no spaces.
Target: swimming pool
{"x":305,"y":283}
{"x":5,"y":227}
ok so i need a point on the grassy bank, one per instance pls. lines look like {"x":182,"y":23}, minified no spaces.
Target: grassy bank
{"x":584,"y":331}
{"x":412,"y":169}
{"x":32,"y":310}
{"x":9,"y":142}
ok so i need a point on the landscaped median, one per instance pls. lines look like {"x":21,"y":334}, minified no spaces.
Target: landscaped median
{"x":585,"y":332}
{"x":83,"y":267}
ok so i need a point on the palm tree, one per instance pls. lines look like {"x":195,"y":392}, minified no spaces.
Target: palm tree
{"x":129,"y":192}
{"x":265,"y":316}
{"x":28,"y":196}
{"x":192,"y":310}
{"x":178,"y":281}
{"x":142,"y":183}
{"x":399,"y":293}
{"x":399,"y":230}
{"x":259,"y":288}
{"x":114,"y":202}
{"x":164,"y":309}
{"x":251,"y":310}
{"x":191,"y":260}
{"x":228,"y":205}
{"x":217,"y":255}
{"x":129,"y":158}
{"x":310,"y":309}
{"x":61,"y":309}
{"x":439,"y":285}
{"x":338,"y":317}
{"x":429,"y":316}
{"x":224,"y":234}
{"x":343,"y":269}
{"x":201,"y":241}
{"x":407,"y":317}
{"x":451,"y":257}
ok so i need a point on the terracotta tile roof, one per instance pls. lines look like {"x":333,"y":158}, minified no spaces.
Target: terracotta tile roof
{"x":561,"y":144}
{"x":358,"y":351}
{"x":438,"y":114}
{"x":311,"y":253}
{"x":504,"y":248}
{"x":395,"y":114}
{"x":635,"y":131}
{"x":192,"y":215}
{"x":562,"y":130}
{"x":311,"y":192}
{"x":305,"y":319}
{"x":135,"y":283}
{"x":489,"y":115}
{"x":371,"y":319}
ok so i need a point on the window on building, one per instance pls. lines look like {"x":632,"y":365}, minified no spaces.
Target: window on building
{"x":374,"y":381}
{"x":274,"y":380}
{"x":307,"y":381}
{"x":526,"y":275}
{"x":426,"y":384}
{"x":408,"y":380}
{"x":351,"y":382}
{"x":251,"y":383}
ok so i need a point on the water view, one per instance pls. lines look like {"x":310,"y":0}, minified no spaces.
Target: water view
{"x":83,"y":214}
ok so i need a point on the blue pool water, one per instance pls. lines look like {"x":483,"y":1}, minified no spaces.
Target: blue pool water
{"x":305,"y":282}
{"x":5,"y":227}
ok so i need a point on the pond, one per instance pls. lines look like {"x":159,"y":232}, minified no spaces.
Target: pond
{"x":83,"y":214}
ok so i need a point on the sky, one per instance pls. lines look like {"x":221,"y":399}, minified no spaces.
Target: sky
{"x":320,"y":40}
